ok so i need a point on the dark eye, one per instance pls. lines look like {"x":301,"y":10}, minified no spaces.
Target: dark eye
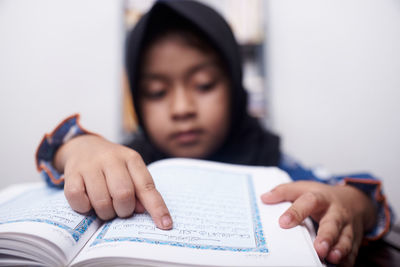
{"x":154,"y":95}
{"x":206,"y":86}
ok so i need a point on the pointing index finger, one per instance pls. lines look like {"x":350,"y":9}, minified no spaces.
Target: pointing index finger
{"x":147,"y":193}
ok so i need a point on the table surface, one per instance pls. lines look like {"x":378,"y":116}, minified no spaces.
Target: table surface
{"x":385,"y":252}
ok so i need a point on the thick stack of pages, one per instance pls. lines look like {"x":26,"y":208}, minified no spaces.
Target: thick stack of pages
{"x":218,"y":217}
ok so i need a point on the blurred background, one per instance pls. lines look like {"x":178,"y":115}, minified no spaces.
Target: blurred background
{"x":324,"y":75}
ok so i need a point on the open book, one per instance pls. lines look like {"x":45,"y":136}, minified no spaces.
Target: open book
{"x":219,"y":220}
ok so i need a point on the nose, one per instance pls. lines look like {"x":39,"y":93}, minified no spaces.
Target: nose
{"x":182,"y":104}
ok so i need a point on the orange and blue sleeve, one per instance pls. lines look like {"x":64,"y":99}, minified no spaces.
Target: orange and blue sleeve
{"x":50,"y":143}
{"x":365,"y":182}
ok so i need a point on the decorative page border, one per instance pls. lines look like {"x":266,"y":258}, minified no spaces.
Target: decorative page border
{"x":258,"y":228}
{"x":75,"y":232}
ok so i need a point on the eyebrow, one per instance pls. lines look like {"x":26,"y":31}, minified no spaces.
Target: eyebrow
{"x":200,"y":67}
{"x":192,"y":70}
{"x":153,"y":76}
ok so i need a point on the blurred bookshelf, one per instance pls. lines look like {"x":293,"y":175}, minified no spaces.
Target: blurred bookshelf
{"x":247,"y":22}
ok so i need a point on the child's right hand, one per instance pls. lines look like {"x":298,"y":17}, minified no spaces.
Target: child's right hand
{"x":110,"y":178}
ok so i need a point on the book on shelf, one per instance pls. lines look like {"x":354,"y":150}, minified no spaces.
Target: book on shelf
{"x":219,"y":220}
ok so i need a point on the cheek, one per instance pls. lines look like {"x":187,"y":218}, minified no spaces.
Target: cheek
{"x":216,"y":113}
{"x":154,"y":120}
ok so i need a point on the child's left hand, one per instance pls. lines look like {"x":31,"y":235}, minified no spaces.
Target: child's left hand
{"x":344,"y":213}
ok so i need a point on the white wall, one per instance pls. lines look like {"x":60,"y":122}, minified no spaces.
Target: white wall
{"x":333,"y":78}
{"x":334,"y":84}
{"x":56,"y":58}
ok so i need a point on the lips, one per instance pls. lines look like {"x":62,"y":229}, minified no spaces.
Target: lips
{"x":187,"y":137}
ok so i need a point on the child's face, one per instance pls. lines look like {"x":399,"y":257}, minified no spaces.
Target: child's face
{"x":184,"y":99}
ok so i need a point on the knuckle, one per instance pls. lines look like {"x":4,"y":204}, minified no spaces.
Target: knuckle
{"x":336,"y":222}
{"x":81,"y":207}
{"x":124,"y":195}
{"x":311,"y":198}
{"x":105,"y":216}
{"x":105,"y":157}
{"x":149,"y":186}
{"x":134,"y":156}
{"x":74,"y":192}
{"x":345,"y":214}
{"x":134,"y":159}
{"x":297,"y":215}
{"x":349,"y":236}
{"x":104,"y":209}
{"x":332,"y":225}
{"x":84,"y":209}
{"x":102,"y":206}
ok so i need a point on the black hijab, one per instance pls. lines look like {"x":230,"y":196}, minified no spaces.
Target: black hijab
{"x":247,"y":142}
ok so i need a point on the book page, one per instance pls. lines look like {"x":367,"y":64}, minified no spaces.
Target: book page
{"x":43,"y":218}
{"x":217,"y":221}
{"x":198,"y":222}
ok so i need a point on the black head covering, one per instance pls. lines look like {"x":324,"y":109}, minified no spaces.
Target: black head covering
{"x":247,"y":142}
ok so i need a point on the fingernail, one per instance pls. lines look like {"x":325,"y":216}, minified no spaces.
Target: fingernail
{"x":266,"y":195}
{"x":324,"y":246}
{"x":337,"y":254}
{"x":166,"y":221}
{"x":286,"y":219}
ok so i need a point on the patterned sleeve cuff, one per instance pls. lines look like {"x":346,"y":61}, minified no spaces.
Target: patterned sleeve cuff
{"x":47,"y":148}
{"x":373,"y":188}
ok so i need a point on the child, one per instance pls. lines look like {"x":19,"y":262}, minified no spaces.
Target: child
{"x":185,"y":75}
